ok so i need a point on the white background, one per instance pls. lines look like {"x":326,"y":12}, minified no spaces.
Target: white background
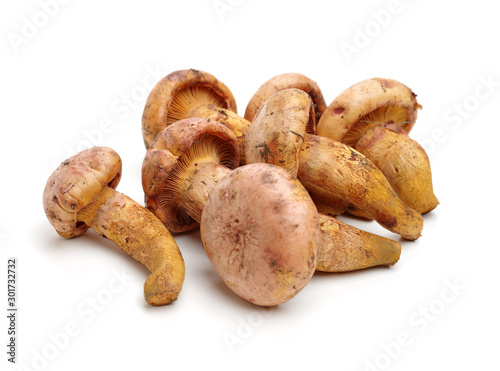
{"x":86,"y":62}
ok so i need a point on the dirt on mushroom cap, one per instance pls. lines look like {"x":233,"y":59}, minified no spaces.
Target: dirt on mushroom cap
{"x":75,"y":183}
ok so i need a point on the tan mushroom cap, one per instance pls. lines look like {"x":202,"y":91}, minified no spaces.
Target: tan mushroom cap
{"x":163,"y":157}
{"x":282,"y":82}
{"x":75,"y":183}
{"x":363,"y":98}
{"x":277,"y":131}
{"x":260,"y":230}
{"x":158,"y":105}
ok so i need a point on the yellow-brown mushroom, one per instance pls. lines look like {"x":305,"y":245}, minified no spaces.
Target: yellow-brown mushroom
{"x":178,"y":95}
{"x":80,"y":194}
{"x":375,"y":117}
{"x":282,"y":82}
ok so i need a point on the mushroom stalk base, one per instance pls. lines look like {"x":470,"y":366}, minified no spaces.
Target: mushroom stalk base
{"x":345,"y":248}
{"x":336,"y":167}
{"x":404,"y":163}
{"x":142,"y":236}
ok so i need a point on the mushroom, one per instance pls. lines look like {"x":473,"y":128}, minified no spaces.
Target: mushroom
{"x":266,"y":217}
{"x":279,"y":135}
{"x":282,"y":82}
{"x":181,"y":167}
{"x":177,"y":95}
{"x":190,"y":157}
{"x":375,"y":117}
{"x":80,"y":194}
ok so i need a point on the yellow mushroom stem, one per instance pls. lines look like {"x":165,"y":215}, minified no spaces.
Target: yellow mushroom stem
{"x":334,"y":166}
{"x":198,"y":171}
{"x":404,"y":163}
{"x":381,"y":137}
{"x":142,"y":236}
{"x":345,"y":248}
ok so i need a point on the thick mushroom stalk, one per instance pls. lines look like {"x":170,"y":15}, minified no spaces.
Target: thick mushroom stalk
{"x":346,"y":172}
{"x":345,"y":248}
{"x":404,"y":163}
{"x":80,"y":194}
{"x":278,"y":135}
{"x":375,"y":116}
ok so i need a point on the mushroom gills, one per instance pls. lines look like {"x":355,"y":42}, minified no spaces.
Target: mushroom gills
{"x":186,"y":190}
{"x":311,"y":123}
{"x":88,"y":213}
{"x":190,"y":98}
{"x":388,"y":114}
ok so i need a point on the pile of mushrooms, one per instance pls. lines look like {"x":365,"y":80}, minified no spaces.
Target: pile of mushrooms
{"x":265,"y":189}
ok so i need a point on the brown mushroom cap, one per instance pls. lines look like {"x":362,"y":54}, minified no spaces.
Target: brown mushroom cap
{"x":367,"y":104}
{"x":260,"y":230}
{"x":75,"y":183}
{"x":176,"y":94}
{"x":162,"y":161}
{"x":282,"y":82}
{"x":277,"y":131}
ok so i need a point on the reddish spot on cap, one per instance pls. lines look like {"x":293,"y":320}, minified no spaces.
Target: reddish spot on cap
{"x":338,"y":110}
